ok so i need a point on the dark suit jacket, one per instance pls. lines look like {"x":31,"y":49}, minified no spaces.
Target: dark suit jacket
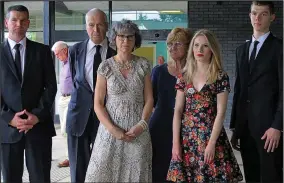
{"x":36,"y":93}
{"x":81,"y":104}
{"x":258,"y":92}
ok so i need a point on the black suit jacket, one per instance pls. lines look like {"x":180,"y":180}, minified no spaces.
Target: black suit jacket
{"x":258,"y":92}
{"x":81,"y":104}
{"x":36,"y":93}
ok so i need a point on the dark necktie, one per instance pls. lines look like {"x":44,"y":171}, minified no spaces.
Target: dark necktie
{"x":253,"y":54}
{"x":18,"y":61}
{"x":97,"y":61}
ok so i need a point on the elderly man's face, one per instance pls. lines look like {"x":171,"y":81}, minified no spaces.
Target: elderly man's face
{"x":61,"y":54}
{"x":96,"y":27}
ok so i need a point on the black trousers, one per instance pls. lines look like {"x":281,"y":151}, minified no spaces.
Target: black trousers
{"x":38,"y":153}
{"x":260,"y":166}
{"x":79,"y":151}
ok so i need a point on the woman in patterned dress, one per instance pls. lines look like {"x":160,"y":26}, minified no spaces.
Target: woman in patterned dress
{"x":122,"y":150}
{"x":201,"y":150}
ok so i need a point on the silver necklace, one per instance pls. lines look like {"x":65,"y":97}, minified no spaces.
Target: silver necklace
{"x":125,"y":66}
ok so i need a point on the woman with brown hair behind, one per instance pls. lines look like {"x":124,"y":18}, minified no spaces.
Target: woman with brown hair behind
{"x":201,"y":149}
{"x":163,"y":82}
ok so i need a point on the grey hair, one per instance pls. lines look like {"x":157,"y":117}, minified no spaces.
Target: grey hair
{"x":93,"y":12}
{"x":125,"y":26}
{"x":59,"y":45}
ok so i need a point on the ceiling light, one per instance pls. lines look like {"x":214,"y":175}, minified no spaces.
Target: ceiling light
{"x":171,"y":12}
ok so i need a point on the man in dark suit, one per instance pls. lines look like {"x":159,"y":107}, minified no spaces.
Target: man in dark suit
{"x":257,"y":113}
{"x":28,"y":89}
{"x":82,"y":122}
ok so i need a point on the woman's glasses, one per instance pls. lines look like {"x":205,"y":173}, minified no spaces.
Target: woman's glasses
{"x":176,"y":45}
{"x":124,"y":37}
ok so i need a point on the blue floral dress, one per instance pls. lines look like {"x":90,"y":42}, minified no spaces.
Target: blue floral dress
{"x":196,"y":129}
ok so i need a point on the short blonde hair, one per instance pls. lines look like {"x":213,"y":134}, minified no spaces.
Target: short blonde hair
{"x":178,"y":34}
{"x":216,"y":60}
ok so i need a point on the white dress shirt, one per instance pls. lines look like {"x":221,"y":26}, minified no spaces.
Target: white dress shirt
{"x":22,"y":51}
{"x":91,"y":50}
{"x":261,"y":40}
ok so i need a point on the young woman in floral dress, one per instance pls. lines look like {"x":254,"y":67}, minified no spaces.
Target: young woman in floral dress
{"x":201,"y":150}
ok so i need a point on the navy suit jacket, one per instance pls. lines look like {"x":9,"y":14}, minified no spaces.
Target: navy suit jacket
{"x":81,"y":106}
{"x":36,"y":93}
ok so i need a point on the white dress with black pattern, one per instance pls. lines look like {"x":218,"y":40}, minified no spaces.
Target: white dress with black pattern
{"x":115,"y":160}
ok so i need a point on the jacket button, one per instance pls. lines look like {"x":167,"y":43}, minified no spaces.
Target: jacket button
{"x":248,"y":101}
{"x":90,"y":109}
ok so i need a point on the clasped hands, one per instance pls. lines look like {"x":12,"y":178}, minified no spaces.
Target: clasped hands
{"x":24,"y":125}
{"x":129,"y":135}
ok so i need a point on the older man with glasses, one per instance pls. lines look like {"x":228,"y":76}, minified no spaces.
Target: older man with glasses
{"x":60,"y":50}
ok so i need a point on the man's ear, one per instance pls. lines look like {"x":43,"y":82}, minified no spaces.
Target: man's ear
{"x":29,"y":23}
{"x":272,"y":18}
{"x":66,"y":50}
{"x":6,"y":22}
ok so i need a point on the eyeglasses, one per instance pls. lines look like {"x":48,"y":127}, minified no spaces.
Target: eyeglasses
{"x":56,"y":54}
{"x":176,"y":44}
{"x":124,"y":37}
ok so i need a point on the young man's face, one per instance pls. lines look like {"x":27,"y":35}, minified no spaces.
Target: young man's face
{"x":261,"y":18}
{"x":17,"y":24}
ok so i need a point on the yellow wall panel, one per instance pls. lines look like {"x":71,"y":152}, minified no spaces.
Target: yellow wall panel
{"x":147,"y":51}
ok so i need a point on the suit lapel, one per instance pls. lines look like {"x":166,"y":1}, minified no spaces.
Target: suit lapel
{"x":263,"y":52}
{"x":9,"y":59}
{"x":244,"y":58}
{"x":28,"y":57}
{"x":82,"y":52}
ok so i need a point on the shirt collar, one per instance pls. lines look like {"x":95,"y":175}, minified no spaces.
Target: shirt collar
{"x":261,"y":39}
{"x":91,"y":44}
{"x":12,"y":43}
{"x":66,"y":61}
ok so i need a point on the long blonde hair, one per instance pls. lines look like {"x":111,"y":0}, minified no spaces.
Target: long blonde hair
{"x":183,"y":35}
{"x":216,"y":61}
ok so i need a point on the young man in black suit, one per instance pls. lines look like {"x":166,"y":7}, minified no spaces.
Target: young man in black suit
{"x":28,"y":89}
{"x":257,"y":113}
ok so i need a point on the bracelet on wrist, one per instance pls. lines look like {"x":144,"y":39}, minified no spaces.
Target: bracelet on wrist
{"x":143,"y":124}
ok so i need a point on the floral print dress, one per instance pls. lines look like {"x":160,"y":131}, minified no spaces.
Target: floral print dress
{"x":196,"y":129}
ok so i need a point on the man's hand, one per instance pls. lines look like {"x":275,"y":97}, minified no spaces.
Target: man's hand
{"x":28,"y":123}
{"x":235,"y":142}
{"x":32,"y":119}
{"x":17,"y":120}
{"x":272,"y":137}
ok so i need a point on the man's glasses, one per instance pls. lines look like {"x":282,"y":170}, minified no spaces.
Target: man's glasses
{"x":124,"y":37}
{"x":56,"y":54}
{"x":176,"y":45}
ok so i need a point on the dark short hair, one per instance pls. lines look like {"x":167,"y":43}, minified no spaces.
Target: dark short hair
{"x":125,"y":26}
{"x":270,"y":4}
{"x":19,"y":8}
